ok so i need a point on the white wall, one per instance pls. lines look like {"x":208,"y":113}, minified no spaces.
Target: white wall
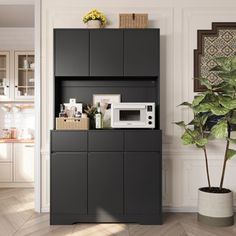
{"x":16,"y":38}
{"x":183,"y":167}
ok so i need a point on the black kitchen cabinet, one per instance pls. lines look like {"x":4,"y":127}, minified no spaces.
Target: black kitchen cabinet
{"x":69,"y":183}
{"x":69,"y":141}
{"x":71,"y":52}
{"x":141,"y":52}
{"x":105,"y":183}
{"x":113,"y":181}
{"x":105,"y":140}
{"x":106,"y":52}
{"x":106,"y":175}
{"x":142,"y":183}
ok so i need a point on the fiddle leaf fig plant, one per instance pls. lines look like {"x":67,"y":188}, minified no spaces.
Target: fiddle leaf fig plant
{"x":214,"y":112}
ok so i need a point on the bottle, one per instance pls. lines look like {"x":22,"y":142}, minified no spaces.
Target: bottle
{"x":62,"y":111}
{"x":98,"y":117}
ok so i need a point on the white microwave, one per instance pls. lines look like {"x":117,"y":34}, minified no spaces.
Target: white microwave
{"x":133,"y":115}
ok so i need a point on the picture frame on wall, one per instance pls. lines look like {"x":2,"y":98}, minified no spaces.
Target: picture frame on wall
{"x":105,"y":101}
{"x":216,"y":42}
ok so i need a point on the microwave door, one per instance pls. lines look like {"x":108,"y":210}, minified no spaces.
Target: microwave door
{"x":131,"y":117}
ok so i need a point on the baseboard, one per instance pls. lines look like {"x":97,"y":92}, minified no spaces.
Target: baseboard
{"x":183,"y":209}
{"x":45,"y":209}
{"x":179,"y":209}
{"x":16,"y":185}
{"x":165,"y":209}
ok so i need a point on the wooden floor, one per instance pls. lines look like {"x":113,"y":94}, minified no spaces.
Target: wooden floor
{"x":17,"y":217}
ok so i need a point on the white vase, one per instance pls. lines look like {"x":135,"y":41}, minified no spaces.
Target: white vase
{"x":215,"y":209}
{"x":94,"y":24}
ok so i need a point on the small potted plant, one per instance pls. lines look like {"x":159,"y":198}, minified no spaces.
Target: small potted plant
{"x":214,"y":114}
{"x":95,"y":19}
{"x":90,"y":110}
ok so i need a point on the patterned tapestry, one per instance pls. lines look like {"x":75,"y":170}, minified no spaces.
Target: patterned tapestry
{"x":218,"y":42}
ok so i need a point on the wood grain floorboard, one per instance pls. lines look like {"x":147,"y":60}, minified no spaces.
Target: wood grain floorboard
{"x":17,"y":218}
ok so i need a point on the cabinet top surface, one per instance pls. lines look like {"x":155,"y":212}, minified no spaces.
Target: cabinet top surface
{"x":108,"y":130}
{"x":87,"y":29}
{"x":16,"y":140}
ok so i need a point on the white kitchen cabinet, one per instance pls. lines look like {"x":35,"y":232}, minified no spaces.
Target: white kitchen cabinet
{"x":5,"y":152}
{"x":5,"y":172}
{"x":24,"y":75}
{"x":17,"y":75}
{"x":23,"y":162}
{"x":4,"y":75}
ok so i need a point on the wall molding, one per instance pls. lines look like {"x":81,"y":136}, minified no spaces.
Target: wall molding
{"x":179,"y":23}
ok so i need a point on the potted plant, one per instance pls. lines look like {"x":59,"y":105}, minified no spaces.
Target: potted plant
{"x":214,"y":114}
{"x":90,"y":110}
{"x":94,"y":19}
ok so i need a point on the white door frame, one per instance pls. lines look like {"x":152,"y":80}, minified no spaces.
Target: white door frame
{"x":37,"y":100}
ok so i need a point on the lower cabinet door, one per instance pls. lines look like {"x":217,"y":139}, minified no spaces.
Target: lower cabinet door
{"x":23,"y":162}
{"x":142,"y":180}
{"x":105,"y":183}
{"x":5,"y":172}
{"x":69,"y":183}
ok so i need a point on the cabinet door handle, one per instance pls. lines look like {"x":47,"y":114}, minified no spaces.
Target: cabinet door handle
{"x":27,"y":145}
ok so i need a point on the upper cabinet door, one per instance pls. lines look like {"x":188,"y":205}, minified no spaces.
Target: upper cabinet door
{"x":106,"y":52}
{"x":71,"y":52}
{"x":141,"y":52}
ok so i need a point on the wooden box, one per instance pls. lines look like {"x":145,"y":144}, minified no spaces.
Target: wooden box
{"x":72,"y":123}
{"x":133,"y":20}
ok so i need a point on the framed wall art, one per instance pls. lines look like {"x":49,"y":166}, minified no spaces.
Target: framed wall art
{"x":220,"y":41}
{"x":105,"y":101}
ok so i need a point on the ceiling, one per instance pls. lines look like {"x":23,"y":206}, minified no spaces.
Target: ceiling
{"x":16,"y":16}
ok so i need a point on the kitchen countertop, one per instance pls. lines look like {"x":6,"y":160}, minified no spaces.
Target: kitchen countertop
{"x":9,"y":140}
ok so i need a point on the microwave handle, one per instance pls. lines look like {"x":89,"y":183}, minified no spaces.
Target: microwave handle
{"x":129,"y":106}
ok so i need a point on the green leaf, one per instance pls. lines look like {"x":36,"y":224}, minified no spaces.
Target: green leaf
{"x":217,"y":68}
{"x":194,"y":122}
{"x":201,"y":142}
{"x":233,"y":61}
{"x":198,"y":99}
{"x":204,"y":107}
{"x":224,"y":62}
{"x":203,"y":119}
{"x":187,"y":138}
{"x":220,"y":130}
{"x":181,"y":124}
{"x":230,"y":153}
{"x":231,"y":140}
{"x":219,"y":111}
{"x":230,"y":78}
{"x":185,"y":104}
{"x":227,"y":102}
{"x":205,"y":82}
{"x":233,"y":119}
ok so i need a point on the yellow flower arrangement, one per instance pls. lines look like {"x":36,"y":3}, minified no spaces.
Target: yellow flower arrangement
{"x":95,"y":15}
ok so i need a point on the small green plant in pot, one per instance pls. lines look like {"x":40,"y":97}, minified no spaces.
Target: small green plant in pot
{"x":214,"y":112}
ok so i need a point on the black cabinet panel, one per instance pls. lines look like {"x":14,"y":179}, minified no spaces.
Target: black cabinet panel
{"x":105,"y":183}
{"x":71,"y":52}
{"x":143,"y":140}
{"x":68,"y":141}
{"x":69,"y":183}
{"x":106,"y":52}
{"x":105,"y":140}
{"x":142,"y":180}
{"x":141,"y":52}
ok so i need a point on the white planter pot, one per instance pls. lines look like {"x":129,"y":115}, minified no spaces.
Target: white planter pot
{"x":215,"y":208}
{"x":94,"y":24}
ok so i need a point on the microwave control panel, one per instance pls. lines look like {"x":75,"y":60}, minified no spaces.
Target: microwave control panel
{"x":151,"y":116}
